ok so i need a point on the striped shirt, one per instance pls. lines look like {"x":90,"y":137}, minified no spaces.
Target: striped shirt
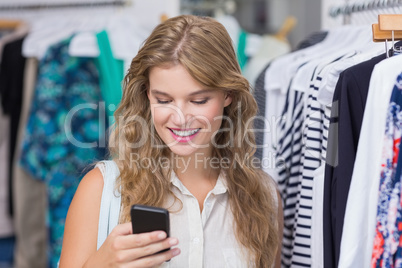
{"x":288,"y":164}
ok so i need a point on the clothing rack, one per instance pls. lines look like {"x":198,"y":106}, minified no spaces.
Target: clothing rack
{"x":348,"y":9}
{"x":208,"y":7}
{"x":43,"y":6}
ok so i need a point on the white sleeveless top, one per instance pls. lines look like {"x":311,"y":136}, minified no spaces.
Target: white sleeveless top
{"x":206,"y":239}
{"x":110,"y":202}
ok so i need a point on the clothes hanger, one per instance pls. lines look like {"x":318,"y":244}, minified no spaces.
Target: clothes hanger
{"x":393,"y":23}
{"x":9,"y":24}
{"x":287,"y":26}
{"x":382,"y":35}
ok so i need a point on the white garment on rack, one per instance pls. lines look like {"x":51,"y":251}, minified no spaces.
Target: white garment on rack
{"x":330,"y":79}
{"x":274,"y":104}
{"x":317,"y":250}
{"x":349,"y":46}
{"x":45,"y":32}
{"x":284,"y":68}
{"x":50,"y":26}
{"x":126,"y":35}
{"x":360,"y":214}
{"x":270,"y":48}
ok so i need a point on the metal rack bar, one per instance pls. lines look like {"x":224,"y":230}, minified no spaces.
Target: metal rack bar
{"x":348,"y":9}
{"x":45,"y":6}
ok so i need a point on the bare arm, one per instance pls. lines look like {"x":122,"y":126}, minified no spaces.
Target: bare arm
{"x":81,"y":228}
{"x":121,"y":247}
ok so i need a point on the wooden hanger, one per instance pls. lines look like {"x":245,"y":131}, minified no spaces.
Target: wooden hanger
{"x":386,"y":24}
{"x":390,"y":22}
{"x":163,"y":17}
{"x":382,"y":36}
{"x":389,"y":28}
{"x":9,"y":24}
{"x":287,"y":26}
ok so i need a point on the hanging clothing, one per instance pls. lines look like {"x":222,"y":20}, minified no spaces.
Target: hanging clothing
{"x":358,"y":232}
{"x":303,"y":154}
{"x":29,"y":194}
{"x":241,"y":49}
{"x":314,"y":136}
{"x":288,"y":153}
{"x":9,"y":85}
{"x":387,"y":238}
{"x":312,"y":39}
{"x":6,"y":221}
{"x":301,"y":151}
{"x":63,"y":132}
{"x":111,"y":75}
{"x":260,"y":97}
{"x":254,"y":72}
{"x":11,"y":77}
{"x":19,"y":32}
{"x":270,"y":48}
{"x":270,"y":101}
{"x":350,"y":99}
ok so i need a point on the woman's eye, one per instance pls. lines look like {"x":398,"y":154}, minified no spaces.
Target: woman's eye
{"x":200,"y":101}
{"x":162,"y":101}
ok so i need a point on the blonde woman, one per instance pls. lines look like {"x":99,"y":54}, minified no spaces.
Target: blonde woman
{"x":182,"y":140}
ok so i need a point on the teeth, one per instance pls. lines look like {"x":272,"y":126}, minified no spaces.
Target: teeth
{"x":185,"y":133}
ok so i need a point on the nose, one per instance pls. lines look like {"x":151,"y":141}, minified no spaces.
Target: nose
{"x":181,"y":116}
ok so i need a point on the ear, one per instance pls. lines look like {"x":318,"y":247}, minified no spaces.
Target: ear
{"x":228,"y":99}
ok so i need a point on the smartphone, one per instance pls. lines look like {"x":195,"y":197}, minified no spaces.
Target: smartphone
{"x":146,"y":219}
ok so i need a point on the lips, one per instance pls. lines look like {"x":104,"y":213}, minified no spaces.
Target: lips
{"x":184,"y":133}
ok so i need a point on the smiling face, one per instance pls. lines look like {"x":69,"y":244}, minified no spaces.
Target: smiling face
{"x":186,"y":115}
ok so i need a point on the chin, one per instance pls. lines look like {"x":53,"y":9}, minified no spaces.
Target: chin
{"x":184,"y":150}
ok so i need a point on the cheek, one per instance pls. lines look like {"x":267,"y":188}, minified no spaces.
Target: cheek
{"x":214,"y":115}
{"x":158,"y":116}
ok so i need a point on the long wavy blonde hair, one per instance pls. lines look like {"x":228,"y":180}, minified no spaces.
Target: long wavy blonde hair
{"x":203,"y":46}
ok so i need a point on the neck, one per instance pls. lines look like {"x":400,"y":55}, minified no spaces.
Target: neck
{"x":197,"y":174}
{"x":197,"y":166}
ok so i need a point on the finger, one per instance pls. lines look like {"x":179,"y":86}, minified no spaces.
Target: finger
{"x":122,"y":229}
{"x":150,"y":249}
{"x":138,"y":240}
{"x":157,"y":259}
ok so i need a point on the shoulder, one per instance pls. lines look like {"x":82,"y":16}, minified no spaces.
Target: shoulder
{"x":89,"y":193}
{"x":92,"y":180}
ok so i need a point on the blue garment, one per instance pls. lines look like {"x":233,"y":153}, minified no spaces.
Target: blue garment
{"x":7,"y":245}
{"x":65,"y":132}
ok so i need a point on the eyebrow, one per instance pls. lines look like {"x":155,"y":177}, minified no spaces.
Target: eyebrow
{"x":201,"y":91}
